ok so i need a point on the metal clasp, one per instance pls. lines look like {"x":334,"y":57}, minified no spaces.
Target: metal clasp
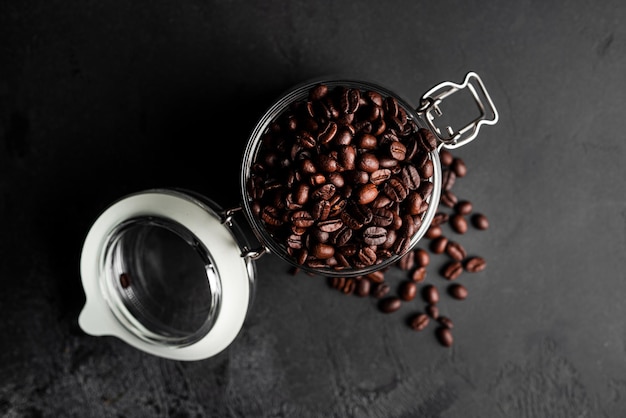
{"x":227,"y":219}
{"x":429,"y":110}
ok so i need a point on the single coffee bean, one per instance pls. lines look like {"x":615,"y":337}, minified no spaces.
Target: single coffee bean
{"x":475,"y":264}
{"x":407,"y":261}
{"x":419,"y":321}
{"x":433,"y":231}
{"x":377,"y":276}
{"x":440,"y":218}
{"x":455,"y":251}
{"x":452,"y":270}
{"x":445,"y":157}
{"x":124,"y":280}
{"x":448,"y":198}
{"x":459,"y":167}
{"x":368,"y":162}
{"x":445,"y":321}
{"x":419,"y":274}
{"x":458,"y":223}
{"x":444,"y":336}
{"x":438,"y":245}
{"x":380,"y":290}
{"x":432,"y":311}
{"x":448,"y":179}
{"x":363,"y":287}
{"x":422,"y":258}
{"x":463,"y":207}
{"x":431,"y":294}
{"x":480,"y":221}
{"x":408,"y":290}
{"x":457,"y":291}
{"x":390,"y":304}
{"x":375,"y":235}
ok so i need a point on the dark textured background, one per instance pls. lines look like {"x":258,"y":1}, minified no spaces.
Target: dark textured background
{"x":99,"y":99}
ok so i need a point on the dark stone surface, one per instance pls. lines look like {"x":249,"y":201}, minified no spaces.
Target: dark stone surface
{"x":100,"y":99}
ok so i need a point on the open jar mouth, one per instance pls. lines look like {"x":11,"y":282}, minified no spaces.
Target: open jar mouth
{"x":290,"y":240}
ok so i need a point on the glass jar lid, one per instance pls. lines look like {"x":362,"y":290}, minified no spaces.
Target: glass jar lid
{"x":163,"y":272}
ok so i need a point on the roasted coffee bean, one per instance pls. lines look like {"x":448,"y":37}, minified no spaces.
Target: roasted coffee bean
{"x":432,"y":311}
{"x":390,"y":304}
{"x":368,"y":162}
{"x":422,"y":258}
{"x":434,"y":231}
{"x":330,"y":225}
{"x":382,"y":217}
{"x":410,"y":177}
{"x":425,"y":189}
{"x":419,"y":274}
{"x":376,"y":276}
{"x":448,"y":179}
{"x":445,"y":321}
{"x":408,"y":290}
{"x":380,"y":176}
{"x":427,"y":169}
{"x":363,"y":287}
{"x":374,"y":235}
{"x":302,"y":219}
{"x":419,"y":322}
{"x":322,"y":251}
{"x":445,"y":157}
{"x":475,"y":264}
{"x":458,"y":223}
{"x":463,"y":207}
{"x":448,"y":198}
{"x":439,"y":219}
{"x":428,"y":139}
{"x":407,"y":261}
{"x":457,"y":291}
{"x":444,"y":336}
{"x":452,"y":270}
{"x":455,"y":250}
{"x":367,"y":193}
{"x":395,"y":189}
{"x":397,"y":150}
{"x":125,"y":280}
{"x":459,"y":167}
{"x":366,"y":256}
{"x":431,"y":294}
{"x":438,"y":245}
{"x":480,"y":221}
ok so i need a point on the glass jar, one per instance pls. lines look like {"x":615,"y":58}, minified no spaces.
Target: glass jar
{"x":172,"y":273}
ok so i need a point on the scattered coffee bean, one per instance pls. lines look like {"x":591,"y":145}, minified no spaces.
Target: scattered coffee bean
{"x":458,"y":223}
{"x":380,"y":290}
{"x":422,"y":258}
{"x":419,"y":274}
{"x":458,"y":166}
{"x":390,"y":304}
{"x":408,"y":290}
{"x":455,"y":250}
{"x":475,"y":264}
{"x":452,"y":270}
{"x":445,"y":321}
{"x":438,"y":245}
{"x":434,"y":231}
{"x":363,"y":287}
{"x":432,"y":311}
{"x":419,"y":321}
{"x":480,"y":221}
{"x":444,"y":336}
{"x":445,"y":157}
{"x":457,"y":291}
{"x":431,"y":294}
{"x":463,"y":207}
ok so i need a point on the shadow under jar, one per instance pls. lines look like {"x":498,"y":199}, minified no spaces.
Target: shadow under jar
{"x":339,"y":177}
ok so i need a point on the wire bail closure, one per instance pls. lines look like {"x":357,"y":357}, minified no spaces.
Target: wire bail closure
{"x":429,"y":109}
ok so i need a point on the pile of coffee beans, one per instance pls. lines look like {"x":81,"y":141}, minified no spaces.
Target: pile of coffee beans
{"x":454,"y":217}
{"x":342,"y":179}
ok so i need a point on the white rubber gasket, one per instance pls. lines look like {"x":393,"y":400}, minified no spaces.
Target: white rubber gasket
{"x":98,"y":319}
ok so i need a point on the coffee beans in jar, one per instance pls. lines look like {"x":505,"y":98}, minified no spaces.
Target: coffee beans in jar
{"x":342,"y":178}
